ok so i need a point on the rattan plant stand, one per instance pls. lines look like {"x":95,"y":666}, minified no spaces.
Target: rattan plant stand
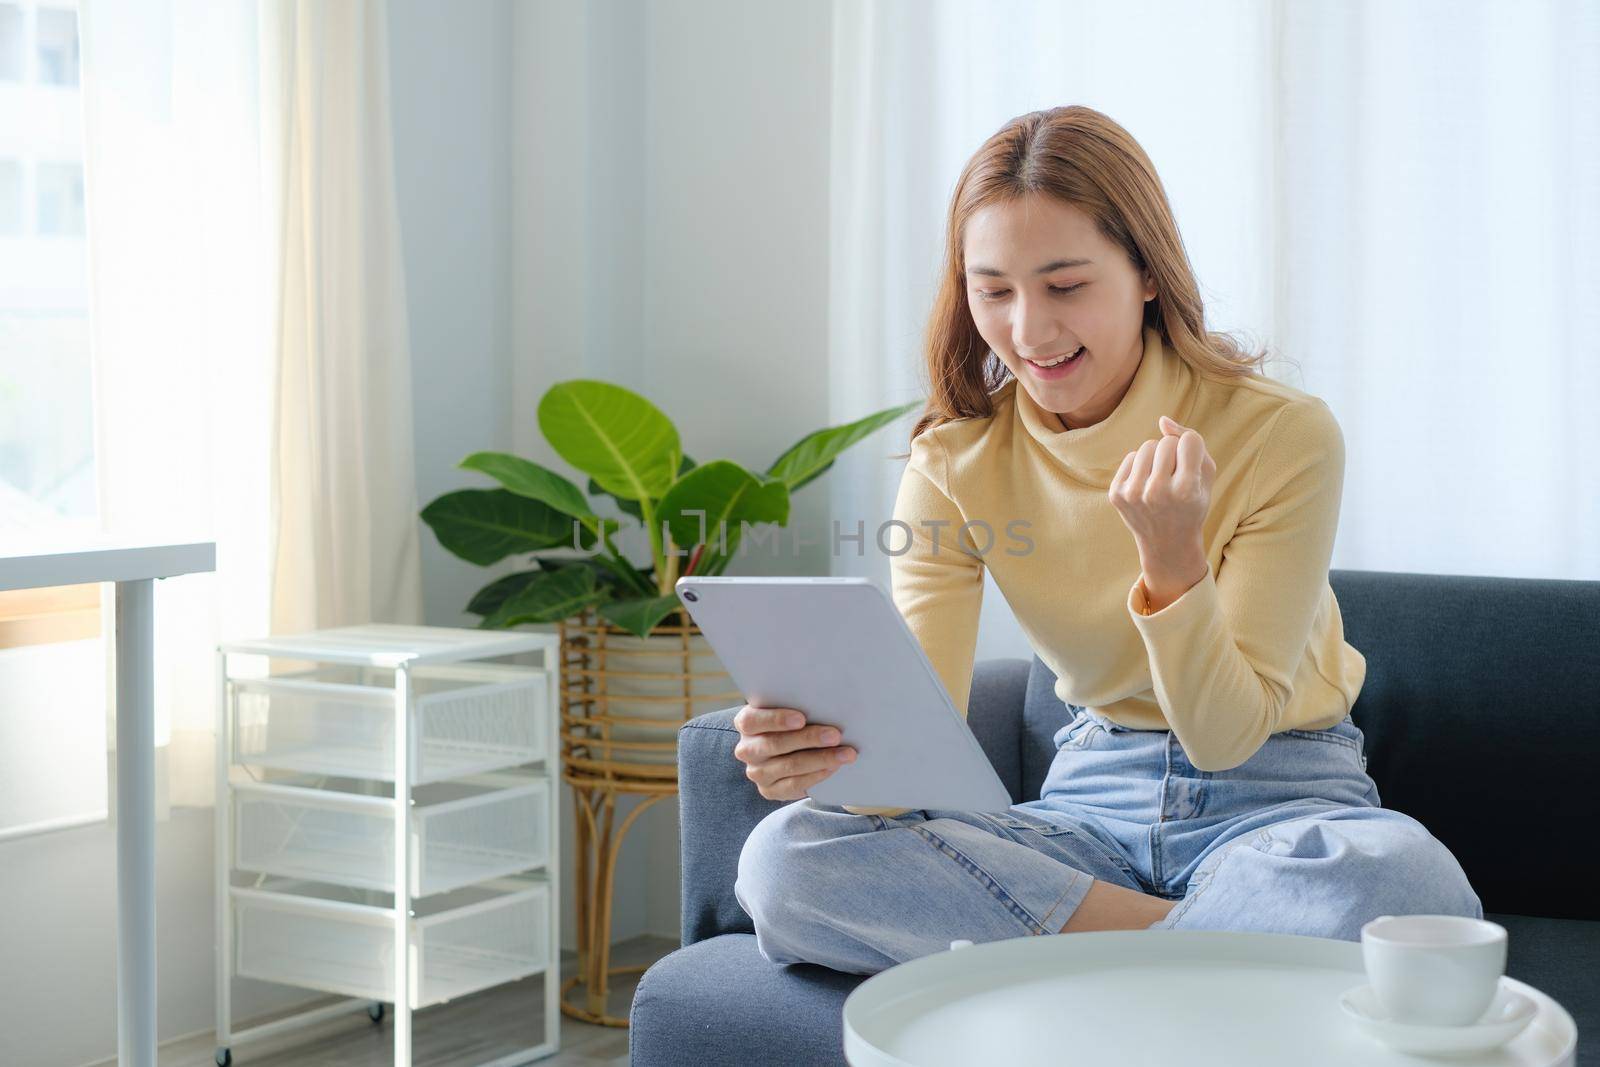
{"x":606,"y":752}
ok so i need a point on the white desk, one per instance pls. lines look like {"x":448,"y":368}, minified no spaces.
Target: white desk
{"x":134,"y":567}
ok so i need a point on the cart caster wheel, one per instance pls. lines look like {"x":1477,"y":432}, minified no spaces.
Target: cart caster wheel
{"x":224,"y":1057}
{"x":374,"y":1012}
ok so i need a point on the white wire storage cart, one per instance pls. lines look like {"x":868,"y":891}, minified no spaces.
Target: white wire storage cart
{"x":387,"y":822}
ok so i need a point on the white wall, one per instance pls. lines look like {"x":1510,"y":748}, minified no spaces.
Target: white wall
{"x":58,"y":918}
{"x":669,"y":210}
{"x":450,"y":76}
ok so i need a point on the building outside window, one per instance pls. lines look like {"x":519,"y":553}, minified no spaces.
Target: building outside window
{"x":52,"y":655}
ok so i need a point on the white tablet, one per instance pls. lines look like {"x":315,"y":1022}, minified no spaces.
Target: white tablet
{"x":840,"y":651}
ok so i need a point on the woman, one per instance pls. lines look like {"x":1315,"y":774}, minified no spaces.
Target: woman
{"x":1160,"y":518}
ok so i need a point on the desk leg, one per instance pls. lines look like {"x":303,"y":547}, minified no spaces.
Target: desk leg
{"x":136,"y":825}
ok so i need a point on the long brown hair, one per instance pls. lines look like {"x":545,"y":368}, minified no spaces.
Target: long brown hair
{"x":1083,"y":158}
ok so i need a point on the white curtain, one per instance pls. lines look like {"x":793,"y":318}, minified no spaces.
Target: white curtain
{"x":1402,"y":198}
{"x":249,"y":341}
{"x":347,"y":548}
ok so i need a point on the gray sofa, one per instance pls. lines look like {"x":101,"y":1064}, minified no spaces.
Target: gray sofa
{"x":1481,"y":711}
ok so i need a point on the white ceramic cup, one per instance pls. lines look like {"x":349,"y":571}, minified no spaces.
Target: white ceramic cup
{"x":1442,"y":970}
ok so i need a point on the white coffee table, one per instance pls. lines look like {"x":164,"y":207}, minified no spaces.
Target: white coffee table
{"x":1156,"y":997}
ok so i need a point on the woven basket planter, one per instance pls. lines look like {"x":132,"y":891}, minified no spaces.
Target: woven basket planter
{"x":623,"y":697}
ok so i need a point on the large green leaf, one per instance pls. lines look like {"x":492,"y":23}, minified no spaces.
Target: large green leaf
{"x":631,"y":507}
{"x":813,"y":476}
{"x":640,"y":616}
{"x":614,"y":435}
{"x":487,"y":600}
{"x":526,"y":478}
{"x":550,"y":597}
{"x":484,"y":526}
{"x":622,"y":576}
{"x":815,"y":452}
{"x":726,"y":493}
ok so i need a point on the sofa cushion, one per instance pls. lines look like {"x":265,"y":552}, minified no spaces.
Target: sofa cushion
{"x":719,"y":1002}
{"x":1481,"y":709}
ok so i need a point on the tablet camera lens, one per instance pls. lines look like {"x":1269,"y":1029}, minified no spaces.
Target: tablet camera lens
{"x":688,"y":594}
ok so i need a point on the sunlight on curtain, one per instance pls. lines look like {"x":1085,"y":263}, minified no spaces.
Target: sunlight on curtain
{"x":250,"y":349}
{"x":347,"y":546}
{"x":179,"y":316}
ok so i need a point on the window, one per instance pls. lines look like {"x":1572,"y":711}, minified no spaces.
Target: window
{"x":58,"y":46}
{"x":60,"y":201}
{"x":46,"y":389}
{"x":52,"y":657}
{"x":11,"y":43}
{"x":10,"y":198}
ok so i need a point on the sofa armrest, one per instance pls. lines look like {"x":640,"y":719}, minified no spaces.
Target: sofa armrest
{"x":718,"y":806}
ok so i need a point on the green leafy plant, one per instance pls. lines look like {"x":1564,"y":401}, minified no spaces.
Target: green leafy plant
{"x":695,"y":514}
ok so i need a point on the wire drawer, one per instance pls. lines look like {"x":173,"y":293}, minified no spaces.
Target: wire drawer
{"x":339,"y":719}
{"x":461,"y":832}
{"x":341,"y":940}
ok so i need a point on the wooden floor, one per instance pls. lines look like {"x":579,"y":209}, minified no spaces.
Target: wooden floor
{"x":463,"y":1033}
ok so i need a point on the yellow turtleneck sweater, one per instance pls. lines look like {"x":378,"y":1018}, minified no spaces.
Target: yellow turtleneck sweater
{"x":1254,"y":647}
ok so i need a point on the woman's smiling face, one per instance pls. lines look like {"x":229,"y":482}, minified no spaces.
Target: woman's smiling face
{"x":1043,"y":282}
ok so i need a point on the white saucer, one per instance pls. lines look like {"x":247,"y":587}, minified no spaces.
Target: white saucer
{"x":1507,"y":1015}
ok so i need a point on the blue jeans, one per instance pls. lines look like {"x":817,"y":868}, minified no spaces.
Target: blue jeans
{"x":1294,"y":840}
